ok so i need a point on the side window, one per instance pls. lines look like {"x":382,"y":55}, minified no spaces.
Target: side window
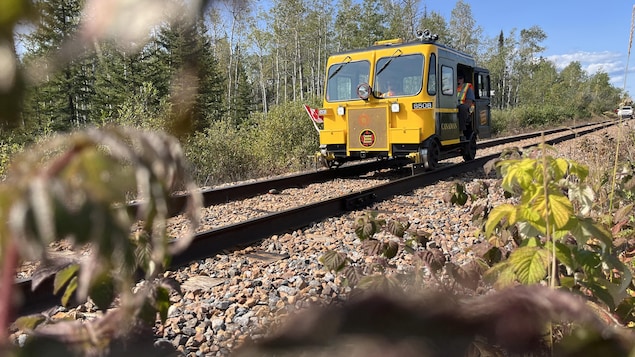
{"x":482,"y":86}
{"x":432,"y":75}
{"x":447,"y":80}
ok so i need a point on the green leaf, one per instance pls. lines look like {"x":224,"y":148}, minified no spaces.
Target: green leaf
{"x":531,"y":242}
{"x":519,"y":173}
{"x":496,"y":215}
{"x":531,"y":215}
{"x":70,"y":289}
{"x":501,"y":275}
{"x":563,"y":254}
{"x":64,"y":276}
{"x":29,"y":322}
{"x":625,"y":273}
{"x":162,"y":302}
{"x":589,"y":261}
{"x":561,"y":210}
{"x":601,"y":292}
{"x":102,"y":291}
{"x":526,"y":229}
{"x":617,"y":293}
{"x":148,"y":313}
{"x":397,"y":228}
{"x":353,"y":275}
{"x":390,"y":249}
{"x":559,"y":168}
{"x":333,"y":260}
{"x":587,"y":228}
{"x":380,"y":282}
{"x":568,"y":282}
{"x":529,"y":264}
{"x":459,"y":197}
{"x":579,"y":170}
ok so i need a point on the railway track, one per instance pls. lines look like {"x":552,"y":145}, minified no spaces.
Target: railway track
{"x":214,"y":196}
{"x":210,"y":242}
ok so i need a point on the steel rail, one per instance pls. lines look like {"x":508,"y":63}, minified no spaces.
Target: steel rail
{"x":253,"y":230}
{"x":178,"y":203}
{"x":210,"y":242}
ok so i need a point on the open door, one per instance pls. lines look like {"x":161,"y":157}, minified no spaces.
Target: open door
{"x":482,"y":92}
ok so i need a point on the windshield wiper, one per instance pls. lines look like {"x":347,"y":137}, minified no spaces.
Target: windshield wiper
{"x":388,"y":62}
{"x":341,"y":66}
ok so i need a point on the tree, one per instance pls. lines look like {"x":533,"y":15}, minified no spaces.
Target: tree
{"x":62,"y":95}
{"x":402,"y":18}
{"x":348,"y":34}
{"x":317,"y":46}
{"x":465,"y":35}
{"x":603,"y":95}
{"x":194,"y":81}
{"x":543,"y":77}
{"x":243,"y":100}
{"x":371,"y":23}
{"x":434,"y":22}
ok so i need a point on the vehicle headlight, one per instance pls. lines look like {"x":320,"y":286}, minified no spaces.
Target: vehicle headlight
{"x":363,"y":91}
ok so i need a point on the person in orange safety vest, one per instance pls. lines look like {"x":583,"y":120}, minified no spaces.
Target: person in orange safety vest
{"x":465,"y":96}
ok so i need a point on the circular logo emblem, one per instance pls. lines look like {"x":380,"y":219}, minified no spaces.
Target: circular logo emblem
{"x":363,"y":119}
{"x":367,"y":138}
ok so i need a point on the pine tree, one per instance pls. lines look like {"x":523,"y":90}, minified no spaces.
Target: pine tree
{"x":194,"y":87}
{"x":62,"y":98}
{"x":243,"y":98}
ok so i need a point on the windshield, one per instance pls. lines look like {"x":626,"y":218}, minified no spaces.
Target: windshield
{"x":343,"y":79}
{"x":398,"y":76}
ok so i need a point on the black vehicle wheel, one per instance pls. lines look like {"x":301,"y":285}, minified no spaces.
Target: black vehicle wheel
{"x":469,"y":149}
{"x":430,"y":153}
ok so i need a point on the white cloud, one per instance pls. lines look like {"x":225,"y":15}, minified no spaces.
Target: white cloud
{"x":591,"y":62}
{"x":612,"y":63}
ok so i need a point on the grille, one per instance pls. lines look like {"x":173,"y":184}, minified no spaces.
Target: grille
{"x":367,"y":129}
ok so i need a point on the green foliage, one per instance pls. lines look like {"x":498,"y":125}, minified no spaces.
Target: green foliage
{"x":284,"y":140}
{"x":74,"y":187}
{"x":503,"y":122}
{"x":537,"y":116}
{"x":371,"y":229}
{"x":551,"y":216}
{"x":7,"y":150}
{"x":145,"y":110}
{"x":222,"y":153}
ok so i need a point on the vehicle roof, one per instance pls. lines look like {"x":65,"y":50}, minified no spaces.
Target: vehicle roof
{"x":404,"y":44}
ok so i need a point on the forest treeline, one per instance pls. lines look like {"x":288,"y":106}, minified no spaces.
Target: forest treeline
{"x":239,"y":70}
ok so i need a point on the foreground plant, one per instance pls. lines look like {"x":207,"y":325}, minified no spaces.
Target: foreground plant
{"x":558,"y":237}
{"x":75,"y":188}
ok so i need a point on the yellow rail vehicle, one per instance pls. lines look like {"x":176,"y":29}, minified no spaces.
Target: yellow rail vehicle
{"x":399,"y":99}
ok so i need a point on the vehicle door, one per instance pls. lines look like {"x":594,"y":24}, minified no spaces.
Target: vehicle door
{"x":482,"y":92}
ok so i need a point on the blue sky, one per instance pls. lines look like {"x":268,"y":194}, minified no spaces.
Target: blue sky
{"x":594,"y":33}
